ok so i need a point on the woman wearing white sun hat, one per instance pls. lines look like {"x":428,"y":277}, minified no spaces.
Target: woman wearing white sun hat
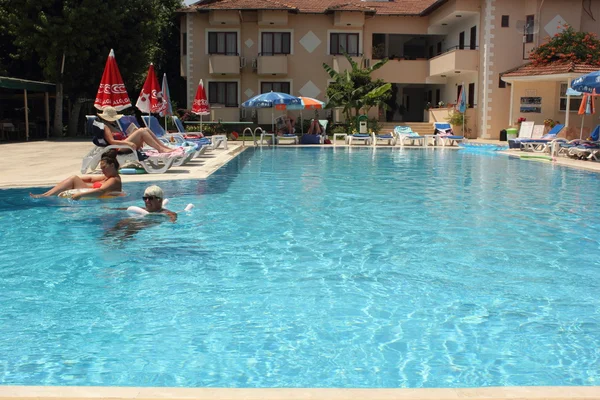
{"x":137,"y":139}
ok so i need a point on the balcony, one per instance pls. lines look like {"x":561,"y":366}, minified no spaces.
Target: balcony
{"x":403,"y":71}
{"x":221,"y":64}
{"x":453,"y":62}
{"x":276,"y":64}
{"x":340,"y":63}
{"x":452,"y":14}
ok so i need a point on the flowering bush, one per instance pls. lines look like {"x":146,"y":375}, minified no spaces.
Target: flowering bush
{"x":521,"y":119}
{"x":568,"y":45}
{"x":550,"y":122}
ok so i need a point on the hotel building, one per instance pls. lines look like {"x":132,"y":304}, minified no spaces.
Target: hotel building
{"x":241,"y":48}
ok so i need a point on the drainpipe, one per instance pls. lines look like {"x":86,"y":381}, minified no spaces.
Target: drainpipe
{"x":568,"y":111}
{"x":539,"y":21}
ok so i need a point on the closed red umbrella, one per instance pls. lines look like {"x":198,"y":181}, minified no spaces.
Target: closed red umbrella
{"x":151,"y":97}
{"x":112,"y":92}
{"x":200,"y":106}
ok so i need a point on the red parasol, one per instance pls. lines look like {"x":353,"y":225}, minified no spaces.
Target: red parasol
{"x":112,"y":92}
{"x":151,"y":98}
{"x":200,"y":106}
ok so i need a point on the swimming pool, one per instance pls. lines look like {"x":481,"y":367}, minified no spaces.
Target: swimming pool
{"x":310,"y":267}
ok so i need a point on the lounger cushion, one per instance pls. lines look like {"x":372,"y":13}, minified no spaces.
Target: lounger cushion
{"x":310,"y":139}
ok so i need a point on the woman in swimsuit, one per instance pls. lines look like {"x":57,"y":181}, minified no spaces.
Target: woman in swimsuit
{"x":137,"y":138}
{"x":109,"y":181}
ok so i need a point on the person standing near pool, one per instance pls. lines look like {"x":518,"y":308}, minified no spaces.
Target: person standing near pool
{"x":108,"y":182}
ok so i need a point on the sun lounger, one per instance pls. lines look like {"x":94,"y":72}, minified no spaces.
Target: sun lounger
{"x":151,"y":164}
{"x":542,"y":144}
{"x":446,"y":135}
{"x":405,"y":133}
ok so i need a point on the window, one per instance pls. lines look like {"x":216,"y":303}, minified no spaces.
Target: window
{"x":505,"y":21}
{"x":429,"y":96}
{"x":529,"y":22}
{"x":344,"y":42}
{"x":471,"y":98}
{"x":473,"y":38}
{"x":275,"y":43}
{"x":223,"y":93}
{"x":575,"y":101}
{"x":439,"y":48}
{"x":458,"y":89}
{"x":461,"y":40}
{"x":438,"y":96}
{"x":184,"y":43}
{"x":281,"y":87}
{"x":222,"y":43}
{"x":431,"y":51}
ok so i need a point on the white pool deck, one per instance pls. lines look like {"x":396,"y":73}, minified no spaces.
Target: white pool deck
{"x":39,"y":164}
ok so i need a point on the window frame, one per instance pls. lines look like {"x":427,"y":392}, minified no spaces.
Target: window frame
{"x":348,"y":34}
{"x":471,"y":95}
{"x":215,"y":34}
{"x":505,"y":21}
{"x":529,"y":36}
{"x":461,"y":40}
{"x":562,"y":95}
{"x":473,"y":38}
{"x":227,"y":102}
{"x":272,"y":83}
{"x":273,"y":33}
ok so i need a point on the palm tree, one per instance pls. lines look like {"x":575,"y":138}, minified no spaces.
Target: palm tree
{"x":354,"y":89}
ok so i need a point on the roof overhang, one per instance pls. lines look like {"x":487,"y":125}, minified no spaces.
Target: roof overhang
{"x":541,"y":78}
{"x":21,"y":84}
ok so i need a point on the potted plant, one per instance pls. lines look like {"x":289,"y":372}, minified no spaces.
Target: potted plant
{"x":458,"y":121}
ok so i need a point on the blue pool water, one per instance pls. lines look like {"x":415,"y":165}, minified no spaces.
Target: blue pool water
{"x":302,"y":267}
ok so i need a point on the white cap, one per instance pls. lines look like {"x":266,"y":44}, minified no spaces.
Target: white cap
{"x":154,"y":190}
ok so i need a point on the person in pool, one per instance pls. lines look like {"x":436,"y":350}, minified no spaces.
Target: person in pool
{"x":128,"y":227}
{"x":109,"y":181}
{"x":153,"y":199}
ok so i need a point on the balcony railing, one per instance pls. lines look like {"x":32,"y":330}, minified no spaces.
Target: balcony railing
{"x":462,"y":60}
{"x":405,"y":71}
{"x":272,"y":64}
{"x":224,"y":64}
{"x":340,"y":62}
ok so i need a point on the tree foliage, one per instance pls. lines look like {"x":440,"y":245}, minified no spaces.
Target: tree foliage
{"x":84,"y":31}
{"x":354,"y":89}
{"x":568,"y":45}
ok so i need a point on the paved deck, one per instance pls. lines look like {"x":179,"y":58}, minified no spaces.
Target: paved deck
{"x":45,"y":163}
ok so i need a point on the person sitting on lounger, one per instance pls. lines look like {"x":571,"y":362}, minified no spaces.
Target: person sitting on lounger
{"x":137,"y":138}
{"x":287,"y":127}
{"x":315,"y":128}
{"x":108,"y":182}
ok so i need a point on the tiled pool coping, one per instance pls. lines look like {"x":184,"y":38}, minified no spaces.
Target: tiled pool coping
{"x":131,"y":393}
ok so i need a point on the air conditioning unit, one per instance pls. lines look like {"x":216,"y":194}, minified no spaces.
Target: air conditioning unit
{"x":242,"y":62}
{"x":254,"y":64}
{"x":367,"y":63}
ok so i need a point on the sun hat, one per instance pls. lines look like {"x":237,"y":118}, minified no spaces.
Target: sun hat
{"x":154,"y":190}
{"x":110,"y":114}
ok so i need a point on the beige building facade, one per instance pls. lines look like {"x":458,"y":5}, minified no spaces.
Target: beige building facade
{"x":243,"y":48}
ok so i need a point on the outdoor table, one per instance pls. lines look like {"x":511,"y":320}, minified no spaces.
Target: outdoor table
{"x":342,"y":135}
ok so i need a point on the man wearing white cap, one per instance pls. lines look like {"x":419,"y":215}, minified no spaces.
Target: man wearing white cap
{"x":153,"y":199}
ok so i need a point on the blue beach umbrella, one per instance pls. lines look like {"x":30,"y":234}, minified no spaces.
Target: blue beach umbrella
{"x":587,"y":83}
{"x":272,"y":100}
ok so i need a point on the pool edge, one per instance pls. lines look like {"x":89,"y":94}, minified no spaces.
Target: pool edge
{"x":149,"y":393}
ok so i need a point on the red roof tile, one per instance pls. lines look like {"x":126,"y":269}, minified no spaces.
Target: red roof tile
{"x":550,"y":69}
{"x":396,"y":7}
